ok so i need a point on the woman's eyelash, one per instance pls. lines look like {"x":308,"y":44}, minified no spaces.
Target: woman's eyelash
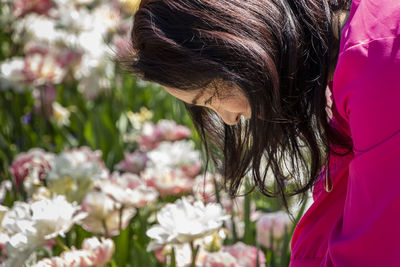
{"x":208,"y":101}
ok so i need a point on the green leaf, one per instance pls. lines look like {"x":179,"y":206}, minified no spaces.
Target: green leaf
{"x":173,"y":261}
{"x":248,"y":237}
{"x":88,"y":133}
{"x":122,"y":247}
{"x":285,"y":258}
{"x":139,"y":257}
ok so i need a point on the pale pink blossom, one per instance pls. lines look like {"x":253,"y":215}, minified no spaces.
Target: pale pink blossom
{"x":177,"y":155}
{"x":104,"y":214}
{"x":150,"y":136}
{"x":23,"y":7}
{"x":94,"y":253}
{"x":67,"y":58}
{"x":204,"y":187}
{"x":77,"y":258}
{"x":128,"y":189}
{"x":165,"y":130}
{"x":53,"y":262}
{"x":275,"y":222}
{"x":133,"y":162}
{"x":42,"y":69}
{"x":42,"y":65}
{"x":167,"y":181}
{"x":68,"y":258}
{"x":101,"y":250}
{"x":191,"y":170}
{"x":245,"y":255}
{"x":171,"y":131}
{"x":220,"y":259}
{"x":34,"y":164}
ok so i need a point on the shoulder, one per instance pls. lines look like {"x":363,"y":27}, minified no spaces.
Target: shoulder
{"x":366,"y":88}
{"x":370,"y":20}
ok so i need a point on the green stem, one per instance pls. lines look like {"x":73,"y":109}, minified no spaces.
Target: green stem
{"x":194,"y":253}
{"x":61,"y":244}
{"x":120,"y":218}
{"x":105,"y":228}
{"x":173,"y":259}
{"x":247,"y":226}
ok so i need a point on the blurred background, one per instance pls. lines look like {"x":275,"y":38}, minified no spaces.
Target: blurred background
{"x":100,"y":168}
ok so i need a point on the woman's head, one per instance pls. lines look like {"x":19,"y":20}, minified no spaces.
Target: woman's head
{"x":265,"y":60}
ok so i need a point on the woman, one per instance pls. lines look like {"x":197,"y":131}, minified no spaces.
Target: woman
{"x":253,"y":75}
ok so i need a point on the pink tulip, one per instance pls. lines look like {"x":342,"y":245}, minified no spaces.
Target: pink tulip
{"x":245,"y":255}
{"x":204,"y":188}
{"x":191,"y":170}
{"x":43,"y":69}
{"x":101,"y":251}
{"x":171,"y":131}
{"x":128,"y":189}
{"x":220,"y":259}
{"x":35,"y":162}
{"x":165,"y":130}
{"x":168,"y":181}
{"x":150,"y":136}
{"x":94,"y":253}
{"x":66,"y":58}
{"x":104,"y":214}
{"x":275,"y":221}
{"x":23,"y":7}
{"x":133,"y":162}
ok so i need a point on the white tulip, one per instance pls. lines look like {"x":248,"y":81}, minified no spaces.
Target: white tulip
{"x":30,"y":225}
{"x":128,"y":189}
{"x":73,"y":173}
{"x":104,"y":214}
{"x":54,"y":217}
{"x":182,"y":222}
{"x":174,"y":154}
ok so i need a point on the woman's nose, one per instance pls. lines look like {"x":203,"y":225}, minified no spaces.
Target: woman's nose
{"x":229,"y":118}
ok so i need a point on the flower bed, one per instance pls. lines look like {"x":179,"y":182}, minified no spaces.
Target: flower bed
{"x":93,"y":170}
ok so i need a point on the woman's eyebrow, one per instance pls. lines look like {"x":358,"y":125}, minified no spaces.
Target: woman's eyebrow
{"x":196,"y":97}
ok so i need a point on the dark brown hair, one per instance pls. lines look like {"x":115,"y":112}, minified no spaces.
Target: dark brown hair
{"x":278,"y":52}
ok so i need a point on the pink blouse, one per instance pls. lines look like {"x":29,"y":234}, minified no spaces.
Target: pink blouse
{"x":357,"y":224}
